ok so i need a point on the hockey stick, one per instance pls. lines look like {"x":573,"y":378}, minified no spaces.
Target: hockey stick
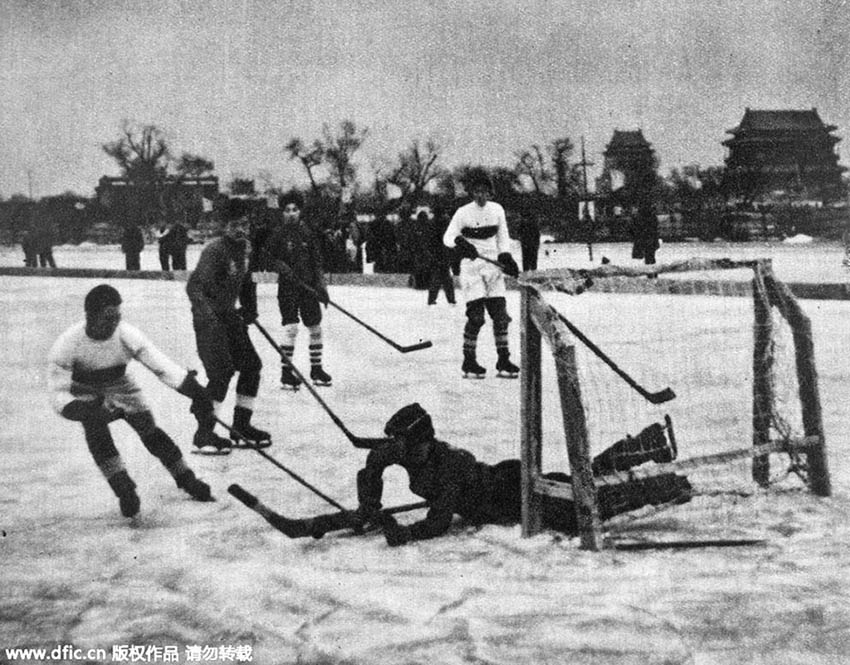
{"x":398,"y":347}
{"x":685,"y":544}
{"x":358,"y":441}
{"x":294,"y":528}
{"x":659,"y":397}
{"x":280,"y":466}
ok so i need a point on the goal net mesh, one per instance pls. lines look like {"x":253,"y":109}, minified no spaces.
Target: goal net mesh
{"x":697,"y":329}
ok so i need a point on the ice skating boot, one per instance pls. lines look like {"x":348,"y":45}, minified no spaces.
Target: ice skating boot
{"x":505,"y":368}
{"x":207,"y":442}
{"x":650,"y":445}
{"x":470,"y":367}
{"x":288,"y":380}
{"x":242,"y":427}
{"x":125,"y":490}
{"x":319,"y":376}
{"x":197,"y":489}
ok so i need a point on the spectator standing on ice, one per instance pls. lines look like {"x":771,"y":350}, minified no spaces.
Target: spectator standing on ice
{"x":88,"y":384}
{"x":440,"y":258}
{"x":28,"y":245}
{"x":529,"y":240}
{"x":381,"y":246}
{"x":645,"y":234}
{"x":163,"y":236}
{"x":292,"y":249}
{"x":132,"y":244}
{"x":43,"y":242}
{"x":479,"y":231}
{"x":221,"y":330}
{"x":179,"y":241}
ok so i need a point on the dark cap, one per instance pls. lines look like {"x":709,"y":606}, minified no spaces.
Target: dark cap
{"x":412,"y":422}
{"x":292,"y":196}
{"x":100,"y":297}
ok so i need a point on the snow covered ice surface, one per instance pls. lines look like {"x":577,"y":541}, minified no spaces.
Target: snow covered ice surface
{"x":74,"y":572}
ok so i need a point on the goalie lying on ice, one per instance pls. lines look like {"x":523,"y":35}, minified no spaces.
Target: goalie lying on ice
{"x":453,"y":482}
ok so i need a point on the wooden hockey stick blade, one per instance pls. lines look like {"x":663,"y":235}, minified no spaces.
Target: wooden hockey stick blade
{"x":359,"y":442}
{"x":659,"y":397}
{"x":289,"y":528}
{"x":687,"y":544}
{"x":366,"y":443}
{"x":416,"y":347}
{"x":395,"y":345}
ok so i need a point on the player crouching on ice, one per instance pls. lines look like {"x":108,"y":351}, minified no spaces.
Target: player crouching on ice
{"x":89,"y":385}
{"x":453,"y":482}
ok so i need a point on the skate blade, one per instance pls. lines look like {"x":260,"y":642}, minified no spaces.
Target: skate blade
{"x":210,"y":451}
{"x":323,"y":384}
{"x":507,"y":375}
{"x":472,"y":375}
{"x":289,"y":387}
{"x":242,"y":445}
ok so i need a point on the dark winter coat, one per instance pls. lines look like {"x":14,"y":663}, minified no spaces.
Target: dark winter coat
{"x":220,"y":278}
{"x":133,"y":240}
{"x":297,"y":245}
{"x":451,"y":480}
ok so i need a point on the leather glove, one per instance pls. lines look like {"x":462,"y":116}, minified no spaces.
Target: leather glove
{"x":508,"y":264}
{"x":201,"y":403}
{"x":465,"y":248}
{"x":322,"y":295}
{"x":394,"y":533}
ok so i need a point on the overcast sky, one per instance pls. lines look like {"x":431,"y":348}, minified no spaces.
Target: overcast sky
{"x":234,"y":80}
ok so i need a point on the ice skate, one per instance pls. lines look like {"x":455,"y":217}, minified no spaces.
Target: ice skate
{"x":471,"y":368}
{"x":197,"y":489}
{"x":125,"y":490}
{"x":319,"y":376}
{"x":244,"y":434}
{"x":505,"y":368}
{"x":288,"y":380}
{"x":207,"y":442}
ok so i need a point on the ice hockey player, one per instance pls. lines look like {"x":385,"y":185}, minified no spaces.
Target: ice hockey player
{"x":221,"y":330}
{"x":479,"y":229}
{"x":88,"y":384}
{"x":453,"y":482}
{"x":292,"y":250}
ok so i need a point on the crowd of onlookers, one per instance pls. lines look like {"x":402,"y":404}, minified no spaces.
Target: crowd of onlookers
{"x":409,"y":242}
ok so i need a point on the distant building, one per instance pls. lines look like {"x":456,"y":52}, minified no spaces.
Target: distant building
{"x":629,"y":174}
{"x":173,"y":199}
{"x":789,"y":153}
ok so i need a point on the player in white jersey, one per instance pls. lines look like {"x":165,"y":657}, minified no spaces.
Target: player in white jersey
{"x":479,"y":231}
{"x":88,"y":384}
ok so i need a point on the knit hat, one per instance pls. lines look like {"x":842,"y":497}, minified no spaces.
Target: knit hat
{"x":412,"y":422}
{"x":100,"y":297}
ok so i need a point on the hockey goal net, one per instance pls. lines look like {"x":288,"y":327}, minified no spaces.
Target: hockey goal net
{"x":712,"y":358}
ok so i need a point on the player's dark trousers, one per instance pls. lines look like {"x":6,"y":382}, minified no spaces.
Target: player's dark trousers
{"x":164,"y":256}
{"x":294,"y":300}
{"x":529,"y":256}
{"x":225,"y":350}
{"x":441,"y":278}
{"x":132,"y":261}
{"x":158,"y":443}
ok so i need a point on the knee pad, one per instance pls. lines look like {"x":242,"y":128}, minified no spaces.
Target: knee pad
{"x":475,"y":313}
{"x":498,"y":311}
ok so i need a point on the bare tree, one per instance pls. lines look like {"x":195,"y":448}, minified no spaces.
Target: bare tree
{"x":193,"y":166}
{"x":310,"y":158}
{"x":142,"y":153}
{"x":339,"y":151}
{"x":533,"y":163}
{"x":416,"y":168}
{"x":567,"y":177}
